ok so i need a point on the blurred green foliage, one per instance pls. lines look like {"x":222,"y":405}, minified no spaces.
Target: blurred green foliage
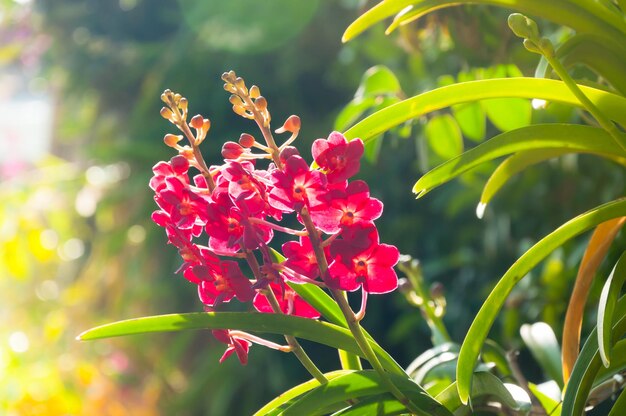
{"x":78,"y":247}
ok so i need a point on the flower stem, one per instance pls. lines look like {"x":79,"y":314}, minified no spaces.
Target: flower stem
{"x":353,"y":323}
{"x":603,"y":120}
{"x":296,"y":348}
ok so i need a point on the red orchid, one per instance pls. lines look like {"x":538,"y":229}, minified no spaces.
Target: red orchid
{"x":296,"y":185}
{"x":238,"y":345}
{"x":301,"y":258}
{"x":337,"y":157}
{"x":359,"y":260}
{"x":227,"y":281}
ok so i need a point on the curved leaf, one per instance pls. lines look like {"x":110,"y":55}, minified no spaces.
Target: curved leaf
{"x":567,"y":137}
{"x":357,"y":384}
{"x":551,"y":406}
{"x":598,"y":245}
{"x":281,"y":402}
{"x":612,"y":105}
{"x":514,"y":165}
{"x":608,"y":299}
{"x":485,"y":385}
{"x":321,"y":332}
{"x":559,"y":11}
{"x":486,"y":316}
{"x":471,"y":119}
{"x":588,"y":364}
{"x":618,"y":363}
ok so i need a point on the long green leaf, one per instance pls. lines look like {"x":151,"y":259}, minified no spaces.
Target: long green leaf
{"x":612,"y":105}
{"x":566,"y":137}
{"x":321,"y":332}
{"x":486,"y":316}
{"x":619,"y":407}
{"x":559,"y":11}
{"x":618,"y":363}
{"x":514,"y":165}
{"x":485,"y":385}
{"x":276,"y":405}
{"x":588,"y":363}
{"x":356,"y":385}
{"x":608,"y":300}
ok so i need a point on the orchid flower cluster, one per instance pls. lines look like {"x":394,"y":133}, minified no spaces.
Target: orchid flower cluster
{"x":228,"y":214}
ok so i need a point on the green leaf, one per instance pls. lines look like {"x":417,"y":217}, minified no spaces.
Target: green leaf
{"x":541,"y":341}
{"x":588,"y":364}
{"x":321,"y":332}
{"x":551,"y":406}
{"x":508,"y":113}
{"x":559,"y":11}
{"x":471,"y":119}
{"x":567,"y":137}
{"x":276,"y":405}
{"x":485,"y":385}
{"x":356,"y":385}
{"x":612,"y":105}
{"x":618,"y":363}
{"x":378,"y":80}
{"x":486,"y":316}
{"x":444,"y":136}
{"x":606,"y":308}
{"x":514,"y":165}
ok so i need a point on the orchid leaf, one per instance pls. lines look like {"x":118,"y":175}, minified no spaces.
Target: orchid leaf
{"x":588,"y":363}
{"x":612,"y":105}
{"x":559,"y":11}
{"x":566,"y":137}
{"x":483,"y":321}
{"x":608,"y":299}
{"x":283,"y":401}
{"x":356,"y":385}
{"x":596,"y":250}
{"x":321,"y":332}
{"x":514,"y":165}
{"x":485,"y":385}
{"x":541,"y":341}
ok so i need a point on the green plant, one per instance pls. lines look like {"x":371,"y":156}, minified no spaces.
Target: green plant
{"x":449,"y":378}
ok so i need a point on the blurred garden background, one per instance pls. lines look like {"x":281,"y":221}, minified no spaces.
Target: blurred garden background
{"x":80,"y":130}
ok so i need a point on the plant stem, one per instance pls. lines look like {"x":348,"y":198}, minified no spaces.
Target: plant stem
{"x":296,"y":348}
{"x":604,"y":121}
{"x":351,"y":319}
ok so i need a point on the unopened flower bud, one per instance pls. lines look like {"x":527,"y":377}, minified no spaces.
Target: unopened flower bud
{"x":230,"y":88}
{"x":239,"y":110}
{"x":172,"y":140}
{"x":287,"y":152}
{"x":241,"y":85}
{"x":232,"y":150}
{"x":206,"y":124}
{"x":523,"y":26}
{"x":179,"y":164}
{"x":246,"y":140}
{"x":197,"y":122}
{"x":177,"y":98}
{"x":183,"y":104}
{"x":292,"y":125}
{"x":254,"y":92}
{"x":235,"y":100}
{"x":167,"y":114}
{"x":229,"y":77}
{"x":261,"y":103}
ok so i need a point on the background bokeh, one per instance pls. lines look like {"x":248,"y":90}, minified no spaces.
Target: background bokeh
{"x":80,"y":129}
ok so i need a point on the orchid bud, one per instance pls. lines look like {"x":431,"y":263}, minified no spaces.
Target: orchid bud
{"x":255,"y":92}
{"x":197,"y":122}
{"x":167,"y":114}
{"x":232,"y":150}
{"x":235,"y":100}
{"x":172,"y":140}
{"x":183,"y":104}
{"x":246,"y":140}
{"x":292,"y":125}
{"x":261,"y":103}
{"x":179,"y":164}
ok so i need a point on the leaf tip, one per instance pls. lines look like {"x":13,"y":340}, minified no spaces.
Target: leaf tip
{"x":480,"y":210}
